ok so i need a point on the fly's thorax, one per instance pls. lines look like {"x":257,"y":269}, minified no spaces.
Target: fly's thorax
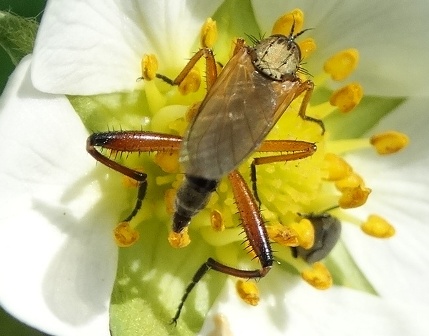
{"x":277,"y":57}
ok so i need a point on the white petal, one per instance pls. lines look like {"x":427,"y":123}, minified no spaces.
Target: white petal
{"x":289,"y":306}
{"x":390,"y":37}
{"x":87,"y":47}
{"x":56,"y":251}
{"x":397,"y":267}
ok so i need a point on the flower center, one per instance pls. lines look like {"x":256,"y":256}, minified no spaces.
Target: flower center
{"x":301,"y":200}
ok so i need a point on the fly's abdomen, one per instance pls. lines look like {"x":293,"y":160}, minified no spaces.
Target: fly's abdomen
{"x":191,"y":198}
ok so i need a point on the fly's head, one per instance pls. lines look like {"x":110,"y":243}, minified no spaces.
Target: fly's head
{"x":277,"y":57}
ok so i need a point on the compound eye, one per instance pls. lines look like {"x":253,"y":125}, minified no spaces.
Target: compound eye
{"x":327,"y":231}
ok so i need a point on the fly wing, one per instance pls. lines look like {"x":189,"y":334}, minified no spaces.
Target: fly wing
{"x":235,"y":117}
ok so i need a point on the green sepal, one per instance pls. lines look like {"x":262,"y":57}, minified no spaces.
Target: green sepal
{"x":17,"y":35}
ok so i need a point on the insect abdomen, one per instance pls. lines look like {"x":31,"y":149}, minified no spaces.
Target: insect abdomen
{"x":191,"y":198}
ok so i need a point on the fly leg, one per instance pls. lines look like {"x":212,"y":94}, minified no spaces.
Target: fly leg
{"x":308,"y":87}
{"x":211,"y":68}
{"x":130,"y":141}
{"x":211,"y":65}
{"x":295,"y":150}
{"x":256,"y":234}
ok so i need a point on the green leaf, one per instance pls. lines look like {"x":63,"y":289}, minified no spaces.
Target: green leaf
{"x":17,"y":35}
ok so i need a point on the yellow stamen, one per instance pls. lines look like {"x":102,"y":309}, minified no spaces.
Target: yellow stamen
{"x":149,"y":65}
{"x":378,"y":227}
{"x":318,"y":276}
{"x":351,"y":181}
{"x":389,"y":142}
{"x":125,"y":235}
{"x":307,"y":46}
{"x":342,"y":64}
{"x":216,"y":221}
{"x":191,"y":83}
{"x":179,"y":240}
{"x":208,"y":35}
{"x":248,"y":291}
{"x":336,"y":167}
{"x":168,"y":161}
{"x":169,"y":197}
{"x":305,"y":231}
{"x":353,"y":197}
{"x":282,"y":234}
{"x":284,"y":23}
{"x":347,"y":97}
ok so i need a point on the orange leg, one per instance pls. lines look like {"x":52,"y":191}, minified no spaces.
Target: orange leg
{"x":131,"y":141}
{"x":211,"y":69}
{"x":295,"y":150}
{"x":308,"y":87}
{"x":256,"y":234}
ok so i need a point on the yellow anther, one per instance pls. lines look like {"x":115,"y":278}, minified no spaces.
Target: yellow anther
{"x":378,"y":227}
{"x":353,"y":197}
{"x":307,"y":46}
{"x":169,"y":197}
{"x":284,"y":23}
{"x":216,"y":221}
{"x":347,"y":97}
{"x":208,"y":35}
{"x":248,"y":291}
{"x":318,"y":276}
{"x":168,"y":161}
{"x":179,"y":240}
{"x":191,"y":83}
{"x":149,"y":65}
{"x":130,"y":182}
{"x":305,"y":232}
{"x":125,"y":235}
{"x":282,"y":234}
{"x":351,"y":181}
{"x":336,"y":167}
{"x":342,"y":64}
{"x":389,"y":142}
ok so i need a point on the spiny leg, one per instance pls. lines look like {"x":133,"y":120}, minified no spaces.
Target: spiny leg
{"x":130,"y":141}
{"x":256,"y":235}
{"x":296,"y":150}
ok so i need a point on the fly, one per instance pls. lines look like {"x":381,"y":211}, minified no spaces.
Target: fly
{"x":242,"y":105}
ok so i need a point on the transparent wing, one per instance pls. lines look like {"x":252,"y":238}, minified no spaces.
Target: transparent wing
{"x":235,"y":117}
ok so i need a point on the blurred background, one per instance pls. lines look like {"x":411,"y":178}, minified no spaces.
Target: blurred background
{"x":27,"y":8}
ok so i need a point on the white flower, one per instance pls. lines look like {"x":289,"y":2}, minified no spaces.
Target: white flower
{"x":54,"y":238}
{"x":57,"y":211}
